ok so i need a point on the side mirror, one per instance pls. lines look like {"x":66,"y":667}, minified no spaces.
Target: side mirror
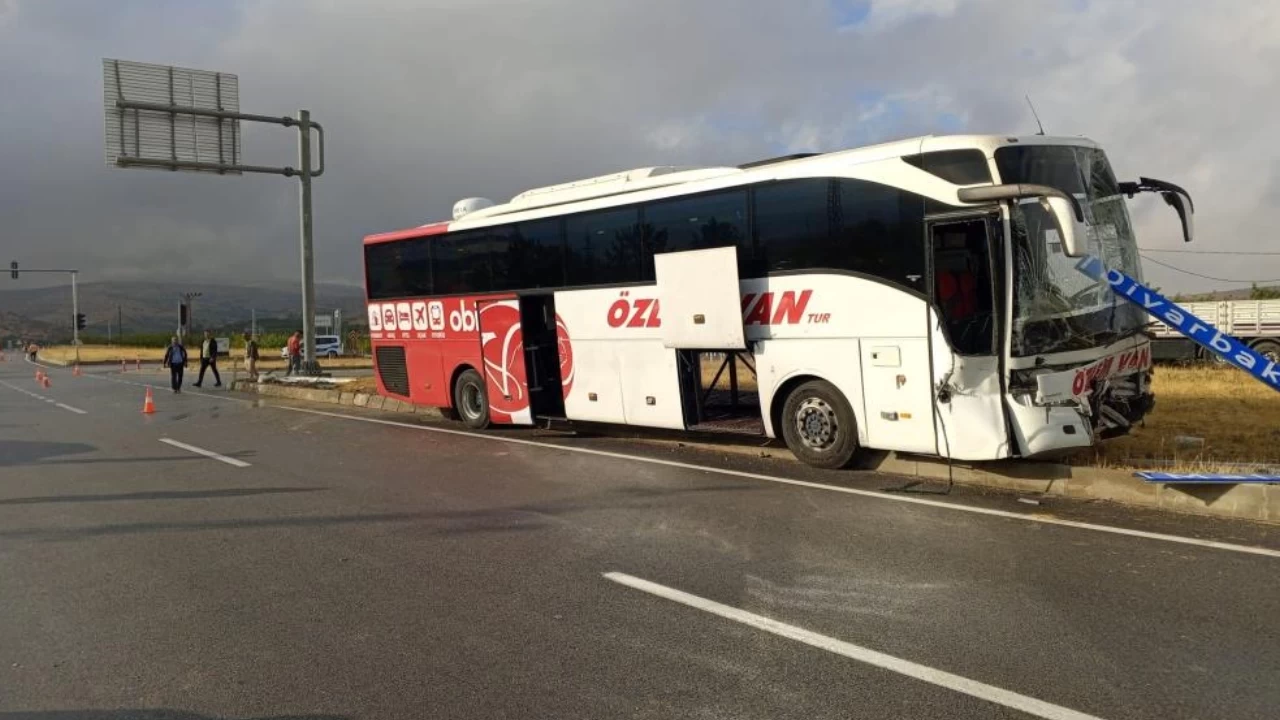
{"x":1181,"y":204}
{"x":1070,"y":229}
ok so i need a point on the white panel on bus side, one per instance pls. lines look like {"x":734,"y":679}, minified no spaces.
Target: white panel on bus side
{"x":899,"y":396}
{"x":648,"y":372}
{"x":701,"y":302}
{"x":596,"y":394}
{"x":971,"y":424}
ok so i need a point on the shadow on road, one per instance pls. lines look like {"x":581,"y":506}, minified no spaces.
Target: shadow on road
{"x":159,"y":495}
{"x":26,"y":452}
{"x":450,"y":522}
{"x":156,"y":714}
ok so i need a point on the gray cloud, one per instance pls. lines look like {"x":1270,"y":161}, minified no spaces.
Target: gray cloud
{"x":426,"y":103}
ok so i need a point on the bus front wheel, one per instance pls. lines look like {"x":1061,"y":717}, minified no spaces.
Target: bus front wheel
{"x":470,"y":400}
{"x":818,"y":425}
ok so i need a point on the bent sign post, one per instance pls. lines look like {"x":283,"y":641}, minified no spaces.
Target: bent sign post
{"x":1178,"y":318}
{"x":1225,"y":346}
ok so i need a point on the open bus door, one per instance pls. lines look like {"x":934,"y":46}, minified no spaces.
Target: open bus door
{"x":966,"y":270}
{"x":702,"y":316}
{"x":502,"y":355}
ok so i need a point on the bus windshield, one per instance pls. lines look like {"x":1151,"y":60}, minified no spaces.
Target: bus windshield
{"x":1055,"y":307}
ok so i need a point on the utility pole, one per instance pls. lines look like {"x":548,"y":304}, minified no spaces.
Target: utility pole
{"x":308,"y":268}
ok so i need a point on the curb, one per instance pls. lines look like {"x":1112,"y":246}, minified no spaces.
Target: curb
{"x":1242,"y":501}
{"x":1245,"y":502}
{"x":336,"y":397}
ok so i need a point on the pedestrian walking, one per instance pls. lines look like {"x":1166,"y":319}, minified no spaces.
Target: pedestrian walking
{"x":208,"y":360}
{"x":251,"y":355}
{"x":175,"y":358}
{"x":295,"y":353}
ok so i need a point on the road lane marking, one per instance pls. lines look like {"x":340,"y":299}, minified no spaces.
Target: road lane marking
{"x":933,"y":676}
{"x":49,"y":400}
{"x":1163,"y":537}
{"x":206,"y":453}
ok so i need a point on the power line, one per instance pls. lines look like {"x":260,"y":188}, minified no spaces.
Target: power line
{"x":1210,"y":252}
{"x":1207,"y":277}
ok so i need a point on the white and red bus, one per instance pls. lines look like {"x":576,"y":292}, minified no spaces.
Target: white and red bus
{"x":918,"y":296}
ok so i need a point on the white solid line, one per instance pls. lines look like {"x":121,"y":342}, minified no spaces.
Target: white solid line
{"x":933,"y":676}
{"x":1214,"y":544}
{"x":75,"y":410}
{"x":206,"y":453}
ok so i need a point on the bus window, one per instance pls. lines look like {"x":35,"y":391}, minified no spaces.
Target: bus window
{"x":535,"y":254}
{"x":693,"y":223}
{"x":962,"y":284}
{"x":602,"y":247}
{"x":880,"y":232}
{"x":792,"y":225}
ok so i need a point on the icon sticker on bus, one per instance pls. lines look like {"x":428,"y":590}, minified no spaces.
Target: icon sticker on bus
{"x":375,"y":317}
{"x":420,"y":316}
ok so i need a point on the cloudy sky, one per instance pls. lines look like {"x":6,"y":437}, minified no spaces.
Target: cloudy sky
{"x":429,"y":101}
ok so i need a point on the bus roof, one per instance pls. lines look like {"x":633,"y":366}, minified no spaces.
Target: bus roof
{"x":673,"y":180}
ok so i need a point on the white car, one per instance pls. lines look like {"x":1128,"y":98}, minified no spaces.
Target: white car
{"x":326,"y":346}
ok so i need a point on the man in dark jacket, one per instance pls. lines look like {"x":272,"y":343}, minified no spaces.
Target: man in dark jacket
{"x":208,"y":360}
{"x":175,"y":358}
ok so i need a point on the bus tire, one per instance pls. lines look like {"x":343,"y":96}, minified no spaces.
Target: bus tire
{"x":819,"y":426}
{"x":471,"y":400}
{"x":1270,"y":349}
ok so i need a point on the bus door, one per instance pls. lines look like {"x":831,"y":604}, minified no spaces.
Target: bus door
{"x":965,"y":271}
{"x":542,"y":359}
{"x":701,"y":313}
{"x":503,"y":358}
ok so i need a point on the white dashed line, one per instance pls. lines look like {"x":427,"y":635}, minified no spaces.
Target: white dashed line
{"x":49,"y":400}
{"x":206,"y":453}
{"x":933,"y":676}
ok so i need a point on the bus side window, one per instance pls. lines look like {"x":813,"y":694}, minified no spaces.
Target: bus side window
{"x":880,"y":232}
{"x":603,"y":247}
{"x":694,"y":223}
{"x":792,"y":226}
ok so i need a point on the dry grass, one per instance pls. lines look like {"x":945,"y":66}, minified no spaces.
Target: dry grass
{"x":361,"y":384}
{"x":1237,"y":416}
{"x":102,"y":353}
{"x":746,"y":378}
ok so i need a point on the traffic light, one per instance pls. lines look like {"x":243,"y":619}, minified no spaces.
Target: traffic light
{"x":182,"y":314}
{"x":80,"y":321}
{"x":13,"y":269}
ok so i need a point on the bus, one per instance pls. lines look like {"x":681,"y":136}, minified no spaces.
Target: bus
{"x":919,"y":296}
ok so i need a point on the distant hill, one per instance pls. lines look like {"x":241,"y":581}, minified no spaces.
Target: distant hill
{"x":44,"y":314}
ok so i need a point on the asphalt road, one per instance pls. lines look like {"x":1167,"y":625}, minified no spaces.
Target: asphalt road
{"x":318,"y":566}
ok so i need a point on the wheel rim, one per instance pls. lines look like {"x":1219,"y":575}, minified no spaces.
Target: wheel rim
{"x":1270,"y":352}
{"x":817,"y":424}
{"x":472,"y":400}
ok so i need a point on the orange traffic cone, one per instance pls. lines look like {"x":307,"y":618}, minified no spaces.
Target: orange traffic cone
{"x":46,"y":382}
{"x":148,"y":404}
{"x":39,"y":376}
{"x":76,"y":372}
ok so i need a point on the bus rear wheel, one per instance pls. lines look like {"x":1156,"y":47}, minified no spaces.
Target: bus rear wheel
{"x":470,"y":400}
{"x":818,"y":425}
